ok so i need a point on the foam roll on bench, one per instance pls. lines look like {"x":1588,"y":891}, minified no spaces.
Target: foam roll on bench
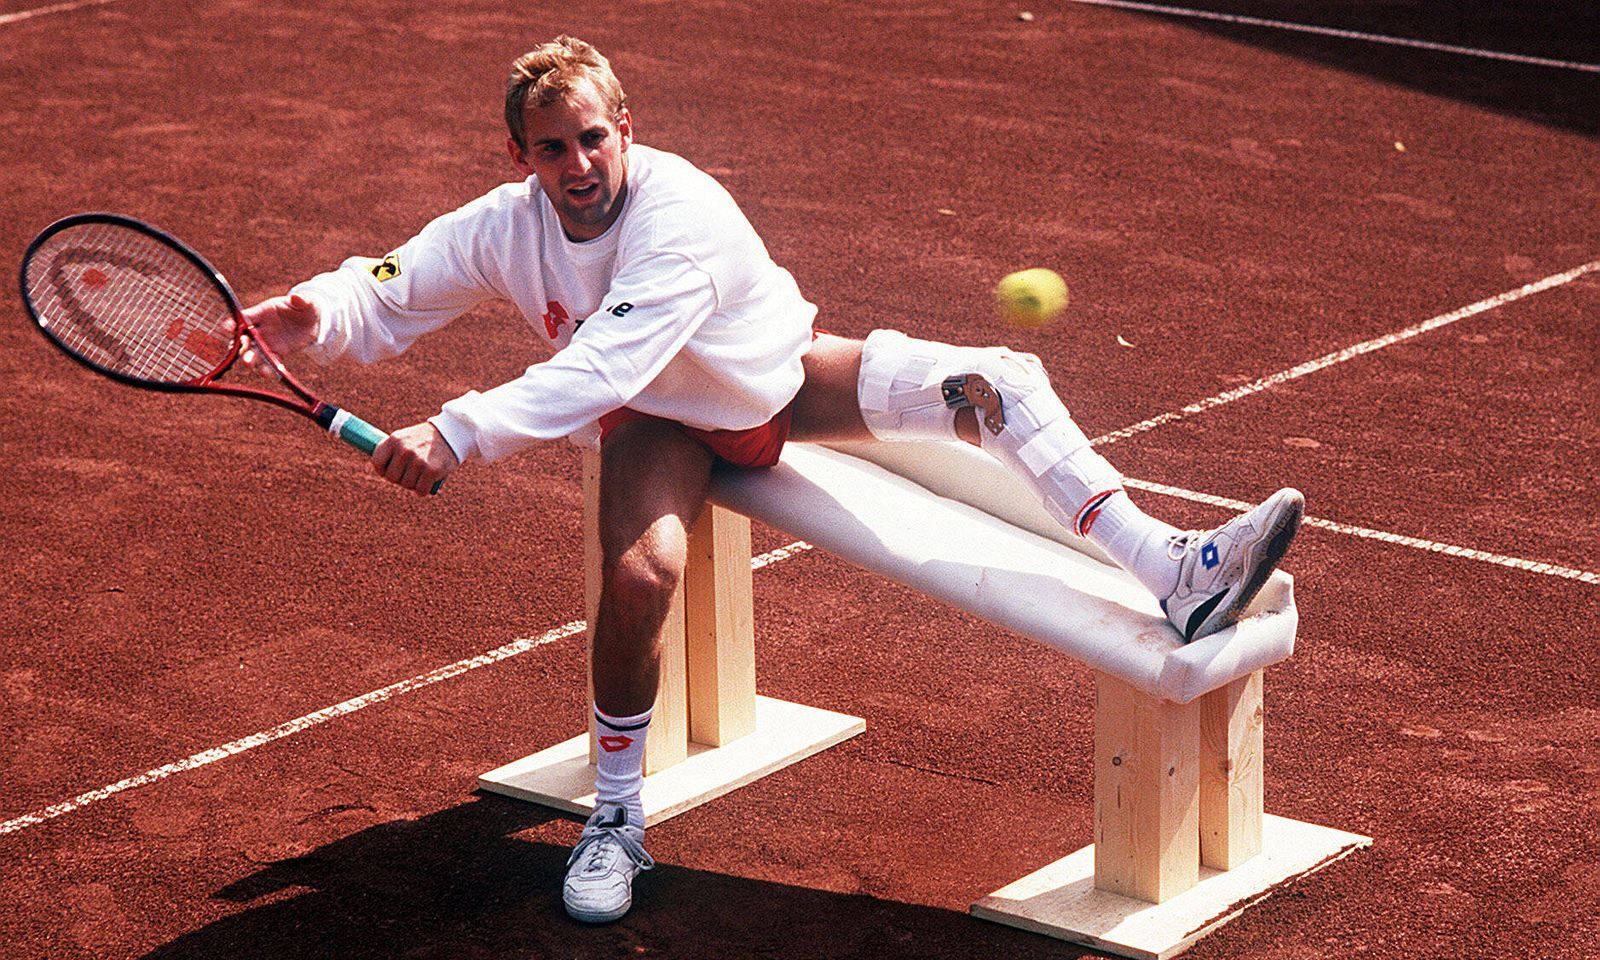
{"x":1181,"y":840}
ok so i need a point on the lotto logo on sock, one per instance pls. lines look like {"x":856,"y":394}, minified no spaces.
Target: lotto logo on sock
{"x":611,"y":743}
{"x":1208,"y":556}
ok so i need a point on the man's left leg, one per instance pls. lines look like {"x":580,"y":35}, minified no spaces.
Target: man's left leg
{"x":908,"y":389}
{"x":652,"y":486}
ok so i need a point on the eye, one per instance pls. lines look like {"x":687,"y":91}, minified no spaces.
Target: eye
{"x":593,"y":138}
{"x":550,"y":149}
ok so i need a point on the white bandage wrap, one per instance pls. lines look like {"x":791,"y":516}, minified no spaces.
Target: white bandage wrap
{"x":902,"y":398}
{"x":337,"y":423}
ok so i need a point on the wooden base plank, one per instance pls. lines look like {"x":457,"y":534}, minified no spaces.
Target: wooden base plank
{"x":1061,"y":901}
{"x":785,"y":733}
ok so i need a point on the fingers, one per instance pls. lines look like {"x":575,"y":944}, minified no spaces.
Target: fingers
{"x":411,"y":462}
{"x":400,"y":466}
{"x":287,"y":323}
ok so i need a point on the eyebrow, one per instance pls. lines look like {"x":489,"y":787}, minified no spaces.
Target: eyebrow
{"x":600,"y":127}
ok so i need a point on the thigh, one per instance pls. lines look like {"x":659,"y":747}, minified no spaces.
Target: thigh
{"x":653,"y":481}
{"x":827,"y":408}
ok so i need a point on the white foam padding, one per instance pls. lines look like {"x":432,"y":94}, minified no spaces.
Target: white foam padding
{"x":1013,"y":577}
{"x":966,"y":474}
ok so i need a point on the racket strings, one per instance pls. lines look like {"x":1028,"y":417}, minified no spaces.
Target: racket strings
{"x":129,"y":303}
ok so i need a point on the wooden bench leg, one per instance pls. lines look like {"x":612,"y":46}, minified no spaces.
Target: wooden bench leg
{"x":1180,"y":842}
{"x":719,"y":629}
{"x":1176,"y":786}
{"x":1231,"y":792}
{"x":1146,"y":793}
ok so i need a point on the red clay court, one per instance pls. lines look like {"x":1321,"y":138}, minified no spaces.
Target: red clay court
{"x":225,"y":730}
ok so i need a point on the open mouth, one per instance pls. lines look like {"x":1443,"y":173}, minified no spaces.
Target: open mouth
{"x":585,"y":192}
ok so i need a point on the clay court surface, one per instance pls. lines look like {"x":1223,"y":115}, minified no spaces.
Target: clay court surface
{"x":183,"y":574}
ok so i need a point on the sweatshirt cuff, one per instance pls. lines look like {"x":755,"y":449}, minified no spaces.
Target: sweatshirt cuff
{"x":457,"y":429}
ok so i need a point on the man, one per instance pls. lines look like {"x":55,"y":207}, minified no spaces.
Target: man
{"x":679,"y":336}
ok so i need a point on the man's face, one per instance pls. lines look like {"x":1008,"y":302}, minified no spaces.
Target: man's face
{"x":579,"y":153}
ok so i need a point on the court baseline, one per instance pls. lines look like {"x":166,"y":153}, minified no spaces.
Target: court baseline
{"x":21,"y":15}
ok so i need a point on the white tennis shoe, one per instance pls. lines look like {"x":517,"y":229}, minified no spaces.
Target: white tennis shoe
{"x":600,"y":872}
{"x":1220,"y":571}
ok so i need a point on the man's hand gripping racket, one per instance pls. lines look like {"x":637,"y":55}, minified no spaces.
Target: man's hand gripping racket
{"x":136,"y":304}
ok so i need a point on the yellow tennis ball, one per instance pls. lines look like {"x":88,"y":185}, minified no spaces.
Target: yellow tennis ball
{"x":1031,"y":298}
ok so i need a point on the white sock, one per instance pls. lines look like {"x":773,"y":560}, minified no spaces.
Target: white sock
{"x":619,"y":773}
{"x":1138,"y":542}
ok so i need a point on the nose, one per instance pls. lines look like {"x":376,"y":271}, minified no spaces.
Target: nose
{"x":580,"y":163}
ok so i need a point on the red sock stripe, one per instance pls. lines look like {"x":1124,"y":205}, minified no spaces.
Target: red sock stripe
{"x":1086,"y":517}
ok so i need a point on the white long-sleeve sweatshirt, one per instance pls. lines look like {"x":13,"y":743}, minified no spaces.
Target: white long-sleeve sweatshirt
{"x":676,"y":311}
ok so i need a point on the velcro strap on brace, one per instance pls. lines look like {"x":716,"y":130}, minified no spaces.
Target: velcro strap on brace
{"x":1060,"y":439}
{"x":877,"y":385}
{"x":899,"y":389}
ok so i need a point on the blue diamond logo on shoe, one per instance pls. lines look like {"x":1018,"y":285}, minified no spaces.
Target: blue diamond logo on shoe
{"x":1208,"y":556}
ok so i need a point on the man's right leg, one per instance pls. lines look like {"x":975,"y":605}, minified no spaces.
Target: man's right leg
{"x":653,"y":483}
{"x":913,"y":389}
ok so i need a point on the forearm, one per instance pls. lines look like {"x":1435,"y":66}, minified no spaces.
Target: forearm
{"x":551,"y":400}
{"x":374,"y":309}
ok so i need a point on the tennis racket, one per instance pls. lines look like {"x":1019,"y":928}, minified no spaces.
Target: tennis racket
{"x":136,"y":304}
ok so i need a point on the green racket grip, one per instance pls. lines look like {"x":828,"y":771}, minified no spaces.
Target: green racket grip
{"x":360,"y":434}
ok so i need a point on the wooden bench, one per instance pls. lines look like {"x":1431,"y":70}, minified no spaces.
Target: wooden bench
{"x":1181,"y":840}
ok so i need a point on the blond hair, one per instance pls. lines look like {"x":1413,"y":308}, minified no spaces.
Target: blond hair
{"x":550,"y":71}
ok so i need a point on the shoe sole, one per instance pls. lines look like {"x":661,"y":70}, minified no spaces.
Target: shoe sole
{"x":1271,"y":549}
{"x":610,"y":917}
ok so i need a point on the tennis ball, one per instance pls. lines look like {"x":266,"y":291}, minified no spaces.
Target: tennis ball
{"x":1031,"y":298}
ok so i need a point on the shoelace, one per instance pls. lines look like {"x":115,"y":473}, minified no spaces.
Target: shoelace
{"x":1177,"y":543}
{"x":592,"y":844}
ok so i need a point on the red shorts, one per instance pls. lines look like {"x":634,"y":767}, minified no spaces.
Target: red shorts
{"x":756,"y":447}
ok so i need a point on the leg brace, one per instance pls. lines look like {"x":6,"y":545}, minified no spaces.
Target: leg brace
{"x":911,"y":389}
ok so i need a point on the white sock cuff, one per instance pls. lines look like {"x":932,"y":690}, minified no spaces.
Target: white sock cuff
{"x":624,"y":724}
{"x":619,"y":769}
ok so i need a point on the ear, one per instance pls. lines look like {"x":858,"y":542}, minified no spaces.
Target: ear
{"x":625,"y":128}
{"x":518,"y":158}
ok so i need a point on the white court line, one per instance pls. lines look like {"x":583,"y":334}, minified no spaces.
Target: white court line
{"x":6,"y":18}
{"x":294,"y":726}
{"x":350,"y":706}
{"x":1348,"y":353}
{"x":1433,"y":546}
{"x":528,"y":643}
{"x":1344,"y":34}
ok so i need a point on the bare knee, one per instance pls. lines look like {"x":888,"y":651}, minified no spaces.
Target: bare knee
{"x":967,"y":426}
{"x":638,"y":583}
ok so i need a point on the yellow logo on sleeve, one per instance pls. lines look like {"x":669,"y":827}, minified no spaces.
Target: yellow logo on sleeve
{"x":387,"y":269}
